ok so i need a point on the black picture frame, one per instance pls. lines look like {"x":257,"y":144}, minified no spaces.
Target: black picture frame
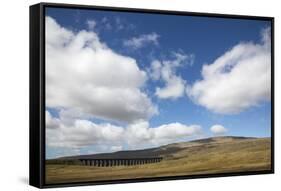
{"x":37,"y":93}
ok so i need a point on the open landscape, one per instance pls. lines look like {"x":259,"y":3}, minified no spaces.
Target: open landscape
{"x":129,"y":98}
{"x":204,"y":156}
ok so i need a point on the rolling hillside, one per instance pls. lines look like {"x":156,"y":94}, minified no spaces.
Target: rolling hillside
{"x":166,"y":151}
{"x":205,"y":156}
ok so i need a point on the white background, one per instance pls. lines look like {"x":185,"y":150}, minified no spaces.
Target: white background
{"x":14,"y":88}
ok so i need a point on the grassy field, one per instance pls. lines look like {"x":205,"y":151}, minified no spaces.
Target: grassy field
{"x":218,"y":155}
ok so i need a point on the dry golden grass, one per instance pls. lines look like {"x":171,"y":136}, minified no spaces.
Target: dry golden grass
{"x":221,"y":156}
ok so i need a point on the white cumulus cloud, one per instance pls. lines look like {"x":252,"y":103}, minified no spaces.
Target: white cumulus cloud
{"x":84,"y":74}
{"x":237,"y":80}
{"x":142,"y":40}
{"x":218,"y":130}
{"x":75,"y":133}
{"x":166,"y":71}
{"x":140,"y":134}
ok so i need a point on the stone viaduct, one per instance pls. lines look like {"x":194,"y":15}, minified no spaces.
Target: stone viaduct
{"x":119,"y":161}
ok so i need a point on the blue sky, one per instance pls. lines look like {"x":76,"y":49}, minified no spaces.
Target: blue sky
{"x":202,"y":41}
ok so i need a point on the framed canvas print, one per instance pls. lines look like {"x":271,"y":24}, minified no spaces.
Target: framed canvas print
{"x":127,"y":95}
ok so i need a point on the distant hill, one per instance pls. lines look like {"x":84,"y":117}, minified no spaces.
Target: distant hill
{"x":204,"y":156}
{"x":166,"y":151}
